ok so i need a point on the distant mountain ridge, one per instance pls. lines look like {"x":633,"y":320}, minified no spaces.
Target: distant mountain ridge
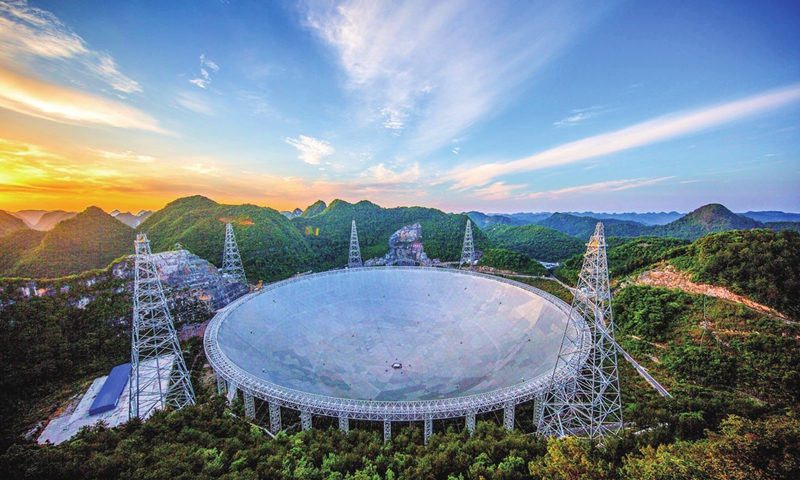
{"x":707,"y":219}
{"x":130,"y":219}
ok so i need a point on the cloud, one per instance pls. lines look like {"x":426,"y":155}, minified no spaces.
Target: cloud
{"x":203,"y":169}
{"x":498,"y":191}
{"x":450,"y":63}
{"x":127,"y":156}
{"x":311,"y":149}
{"x":28,"y":32}
{"x":206,"y":80}
{"x":688,"y":181}
{"x":207,"y":62}
{"x":393,"y":119}
{"x":456,"y":150}
{"x":383,"y":175}
{"x":194,"y":102}
{"x":579,"y":116}
{"x":41,"y":99}
{"x":602,"y":187}
{"x":657,"y":130}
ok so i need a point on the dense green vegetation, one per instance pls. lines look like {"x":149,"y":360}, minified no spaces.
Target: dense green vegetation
{"x":271,"y":248}
{"x":626,"y":255}
{"x":503,"y":259}
{"x":48,"y":342}
{"x":92,"y":239}
{"x":10,"y":223}
{"x":760,"y":264}
{"x":583,"y":227}
{"x":314,"y":209}
{"x":328,"y":232}
{"x":14,"y":246}
{"x":542,"y":243}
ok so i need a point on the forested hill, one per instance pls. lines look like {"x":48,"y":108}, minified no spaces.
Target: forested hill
{"x":542,"y":243}
{"x":328,"y":232}
{"x":760,"y":264}
{"x":707,"y":219}
{"x":92,"y":239}
{"x":583,"y":227}
{"x":271,"y":248}
{"x":9,"y":223}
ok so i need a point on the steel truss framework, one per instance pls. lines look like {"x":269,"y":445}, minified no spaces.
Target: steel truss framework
{"x":468,"y":250}
{"x":354,"y":258}
{"x":589,"y":404}
{"x":391,"y":411}
{"x":231,"y":260}
{"x":159,"y":377}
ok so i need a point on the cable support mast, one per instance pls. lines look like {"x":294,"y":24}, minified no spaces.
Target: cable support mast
{"x":354,"y":258}
{"x":468,"y":250}
{"x":159,"y":377}
{"x":231,"y":261}
{"x":588,"y":402}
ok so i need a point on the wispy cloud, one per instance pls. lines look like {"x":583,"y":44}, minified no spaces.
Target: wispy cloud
{"x":579,"y":116}
{"x":393,"y":119}
{"x":449,"y":63}
{"x":498,"y":191}
{"x":601,"y":187}
{"x":206,"y":78}
{"x":194,"y":102}
{"x":203,"y":169}
{"x":652,"y":131}
{"x":126,"y":156}
{"x":28,"y":32}
{"x":311,"y":149}
{"x":381,"y":174}
{"x":688,"y":181}
{"x":456,"y":150}
{"x":40,"y":99}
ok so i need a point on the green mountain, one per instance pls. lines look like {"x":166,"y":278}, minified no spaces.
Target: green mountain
{"x":542,"y":243}
{"x":503,"y":259}
{"x":707,"y":219}
{"x":314,"y":209}
{"x":583,"y":227}
{"x":328,"y":232}
{"x":9,"y":223}
{"x":14,"y":246}
{"x":271,"y":248}
{"x":92,"y":239}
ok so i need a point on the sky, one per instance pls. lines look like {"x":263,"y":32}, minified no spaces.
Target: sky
{"x":495,"y":106}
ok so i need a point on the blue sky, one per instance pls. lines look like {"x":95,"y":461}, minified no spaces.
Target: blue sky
{"x":460,"y":105}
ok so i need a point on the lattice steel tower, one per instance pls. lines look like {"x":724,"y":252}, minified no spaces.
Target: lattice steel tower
{"x":231,"y":261}
{"x":588,"y":404}
{"x":468,"y":250}
{"x":354,"y":258}
{"x":159,"y":377}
